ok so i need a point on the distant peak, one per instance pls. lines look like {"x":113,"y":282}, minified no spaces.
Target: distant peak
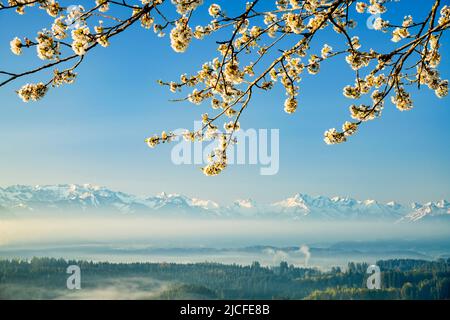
{"x":165,"y":195}
{"x":370,"y":202}
{"x":339,"y":199}
{"x":86,"y":196}
{"x":91,"y":186}
{"x":246,"y":203}
{"x":392,"y":204}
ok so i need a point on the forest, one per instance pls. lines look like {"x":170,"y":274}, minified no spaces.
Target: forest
{"x":45,"y":278}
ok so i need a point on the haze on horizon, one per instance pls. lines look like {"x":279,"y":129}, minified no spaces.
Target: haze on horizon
{"x":83,"y":228}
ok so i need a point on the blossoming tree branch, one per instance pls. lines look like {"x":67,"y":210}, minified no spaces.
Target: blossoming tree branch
{"x":276,"y":41}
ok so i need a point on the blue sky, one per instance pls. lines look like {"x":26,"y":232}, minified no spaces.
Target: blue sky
{"x":93,"y":131}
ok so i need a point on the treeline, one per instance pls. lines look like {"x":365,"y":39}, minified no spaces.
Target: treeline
{"x":400,"y":279}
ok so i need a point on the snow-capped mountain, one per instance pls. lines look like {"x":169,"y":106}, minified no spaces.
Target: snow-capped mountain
{"x":295,"y":207}
{"x":72,"y":197}
{"x":66,"y":197}
{"x":243,"y":207}
{"x":19,"y":199}
{"x":431,"y":210}
{"x":302,"y":206}
{"x":179,"y":204}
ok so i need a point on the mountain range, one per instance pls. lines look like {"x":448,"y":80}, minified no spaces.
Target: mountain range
{"x":19,"y":199}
